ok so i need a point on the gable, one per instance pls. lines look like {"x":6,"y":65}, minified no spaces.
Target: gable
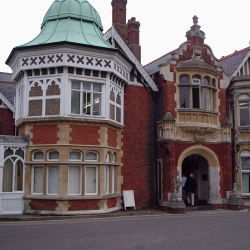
{"x":115,"y":37}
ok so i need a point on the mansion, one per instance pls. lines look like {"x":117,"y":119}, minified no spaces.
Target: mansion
{"x":82,"y":120}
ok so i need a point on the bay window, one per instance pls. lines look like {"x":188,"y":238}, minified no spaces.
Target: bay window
{"x":86,"y":98}
{"x":197,"y":92}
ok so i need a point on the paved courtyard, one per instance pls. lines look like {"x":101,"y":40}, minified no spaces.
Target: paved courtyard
{"x":196,"y":231}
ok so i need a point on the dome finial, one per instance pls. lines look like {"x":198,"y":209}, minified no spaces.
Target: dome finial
{"x":195,"y":20}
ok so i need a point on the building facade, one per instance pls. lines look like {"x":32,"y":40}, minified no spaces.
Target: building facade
{"x":91,"y":121}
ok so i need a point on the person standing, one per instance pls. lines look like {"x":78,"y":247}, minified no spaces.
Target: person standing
{"x":190,"y":189}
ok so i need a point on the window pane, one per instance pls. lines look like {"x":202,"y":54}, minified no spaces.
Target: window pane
{"x":75,"y":102}
{"x":206,"y":99}
{"x":244,"y":114}
{"x":246,"y":183}
{"x":112,"y":112}
{"x":53,"y":155}
{"x":53,"y":180}
{"x":38,"y":155}
{"x":19,"y":176}
{"x":107,"y":179}
{"x":184,"y":97}
{"x":245,"y":163}
{"x":38,"y":180}
{"x":112,"y":96}
{"x":184,"y":79}
{"x":76,"y":85}
{"x":7,"y":176}
{"x":92,"y":156}
{"x":118,"y":99}
{"x":118,"y":114}
{"x":97,"y":87}
{"x":196,"y":98}
{"x":86,"y":103}
{"x":86,"y":86}
{"x":91,"y":180}
{"x":75,"y":156}
{"x":74,"y":180}
{"x":97,"y":104}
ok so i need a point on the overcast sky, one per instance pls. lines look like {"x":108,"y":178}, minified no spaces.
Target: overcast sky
{"x":163,"y":24}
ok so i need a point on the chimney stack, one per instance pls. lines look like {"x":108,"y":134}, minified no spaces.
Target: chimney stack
{"x":130,"y":32}
{"x":134,"y":37}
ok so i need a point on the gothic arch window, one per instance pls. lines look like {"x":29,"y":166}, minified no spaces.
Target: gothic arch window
{"x":13,"y":170}
{"x":244,"y":109}
{"x":245,"y":171}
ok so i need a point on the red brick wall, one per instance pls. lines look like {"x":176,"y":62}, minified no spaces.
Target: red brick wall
{"x":166,"y":100}
{"x":84,"y":134}
{"x":7,"y":122}
{"x":44,"y":134}
{"x":43,"y":205}
{"x":75,"y":205}
{"x":112,"y":137}
{"x":138,"y":145}
{"x":111,"y":202}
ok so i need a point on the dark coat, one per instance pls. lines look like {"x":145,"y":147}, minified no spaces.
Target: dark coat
{"x":190,"y":185}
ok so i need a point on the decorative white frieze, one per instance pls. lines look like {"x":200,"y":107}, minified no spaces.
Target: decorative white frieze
{"x":70,"y":60}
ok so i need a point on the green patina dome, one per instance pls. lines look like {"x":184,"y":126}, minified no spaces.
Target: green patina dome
{"x":79,"y":9}
{"x":73,"y":21}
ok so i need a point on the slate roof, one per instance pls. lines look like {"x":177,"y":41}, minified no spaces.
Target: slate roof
{"x":231,"y":62}
{"x":7,"y":87}
{"x":153,"y":67}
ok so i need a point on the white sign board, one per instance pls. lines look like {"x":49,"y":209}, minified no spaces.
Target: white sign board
{"x":128,"y":199}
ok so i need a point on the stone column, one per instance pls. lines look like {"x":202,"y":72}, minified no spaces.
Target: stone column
{"x":214,"y":185}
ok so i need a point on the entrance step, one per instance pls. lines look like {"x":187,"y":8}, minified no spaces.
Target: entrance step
{"x":200,"y":208}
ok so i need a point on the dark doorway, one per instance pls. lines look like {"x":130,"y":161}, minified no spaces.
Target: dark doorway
{"x":198,"y":166}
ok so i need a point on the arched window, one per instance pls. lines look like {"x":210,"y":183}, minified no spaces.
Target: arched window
{"x":245,"y":171}
{"x":75,"y":156}
{"x":13,"y":175}
{"x":184,"y":79}
{"x":244,"y":110}
{"x":108,"y":157}
{"x":53,"y":155}
{"x":207,"y":80}
{"x":92,"y":156}
{"x":114,"y":158}
{"x":8,"y":176}
{"x":38,"y":156}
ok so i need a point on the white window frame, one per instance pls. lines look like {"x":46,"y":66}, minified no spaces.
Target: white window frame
{"x":80,"y":180}
{"x":97,"y":158}
{"x":85,"y":180}
{"x":81,"y":90}
{"x":76,"y":160}
{"x":53,"y":159}
{"x":47,"y":181}
{"x":32,"y":181}
{"x":33,"y":158}
{"x":244,"y":154}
